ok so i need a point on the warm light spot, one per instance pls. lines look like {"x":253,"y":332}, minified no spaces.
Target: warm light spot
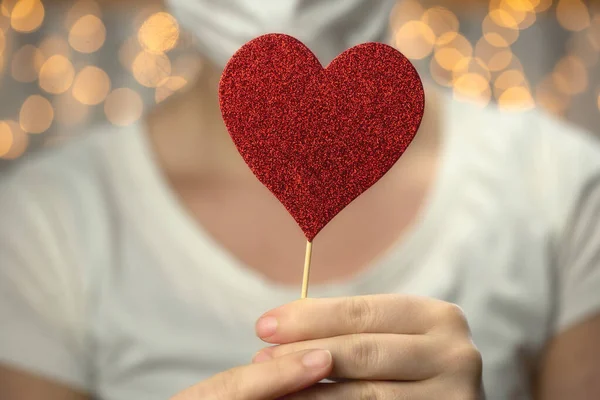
{"x":159,"y":33}
{"x":20,"y":141}
{"x":543,"y":5}
{"x":27,"y":15}
{"x":91,"y":86}
{"x":6,"y":7}
{"x":123,"y":107}
{"x":150,"y":69}
{"x":188,"y":66}
{"x":498,"y":36}
{"x":495,"y":58}
{"x":472,"y":88}
{"x":503,"y":18}
{"x":55,"y":45}
{"x":69,"y":111}
{"x":26,"y":63}
{"x":453,"y":51}
{"x":549,"y":98}
{"x":2,"y":42}
{"x":128,"y":52}
{"x":415,"y":40}
{"x":572,"y":15}
{"x":36,"y":114}
{"x":570,"y":75}
{"x":56,"y":75}
{"x":471,"y":65}
{"x":581,"y":46}
{"x":440,"y":75}
{"x":168,"y":87}
{"x":442,"y":22}
{"x":4,"y":23}
{"x":405,"y":11}
{"x":6,"y":138}
{"x":510,"y":78}
{"x":80,"y":9}
{"x":516,"y":99}
{"x":87,"y":34}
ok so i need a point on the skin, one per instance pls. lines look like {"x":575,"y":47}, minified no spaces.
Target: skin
{"x":384,"y":346}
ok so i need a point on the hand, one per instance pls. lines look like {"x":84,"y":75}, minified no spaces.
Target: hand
{"x":265,"y":381}
{"x":383,"y":347}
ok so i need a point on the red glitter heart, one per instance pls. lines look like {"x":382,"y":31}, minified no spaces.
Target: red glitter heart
{"x":319,"y":137}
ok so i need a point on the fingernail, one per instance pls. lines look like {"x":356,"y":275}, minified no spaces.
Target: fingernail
{"x":261,"y":356}
{"x":266,"y":327}
{"x":317,"y":359}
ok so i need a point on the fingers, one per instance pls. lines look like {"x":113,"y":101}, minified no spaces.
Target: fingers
{"x":385,"y":391}
{"x":319,"y":318}
{"x":266,"y":380}
{"x":373,"y":356}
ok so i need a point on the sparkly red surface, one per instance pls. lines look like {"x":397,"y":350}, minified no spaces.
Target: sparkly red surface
{"x":319,"y":137}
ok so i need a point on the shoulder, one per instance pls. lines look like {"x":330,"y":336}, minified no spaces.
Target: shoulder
{"x":536,"y":163}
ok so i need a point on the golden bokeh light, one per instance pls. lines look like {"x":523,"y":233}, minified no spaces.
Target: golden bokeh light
{"x":56,"y":75}
{"x":19,"y":140}
{"x":123,"y":107}
{"x":6,"y":138}
{"x":472,"y":88}
{"x":549,"y":98}
{"x":53,"y":45}
{"x":26,"y":63}
{"x":495,"y":58}
{"x":572,"y":15}
{"x":68,"y":111}
{"x":159,"y":33}
{"x":150,"y":69}
{"x":497,"y":35}
{"x":509,"y":79}
{"x":36,"y":114}
{"x":27,"y":15}
{"x":128,"y":51}
{"x":91,"y":85}
{"x":405,"y":11}
{"x":415,"y":40}
{"x":543,"y":5}
{"x":80,"y":9}
{"x":87,"y":34}
{"x":6,"y":7}
{"x":442,"y":22}
{"x":188,"y":66}
{"x":454,"y":50}
{"x":570,"y":75}
{"x":516,"y":98}
{"x":440,"y":75}
{"x":2,"y":42}
{"x":168,"y":87}
{"x":471,"y":65}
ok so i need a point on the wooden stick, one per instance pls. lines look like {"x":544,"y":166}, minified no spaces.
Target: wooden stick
{"x":307,"y":259}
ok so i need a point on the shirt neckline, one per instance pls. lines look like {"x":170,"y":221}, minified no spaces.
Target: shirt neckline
{"x":397,"y":264}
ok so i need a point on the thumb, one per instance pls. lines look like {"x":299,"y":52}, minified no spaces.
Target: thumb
{"x":264,"y":381}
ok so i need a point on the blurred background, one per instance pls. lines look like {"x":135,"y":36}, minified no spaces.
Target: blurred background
{"x":70,"y":64}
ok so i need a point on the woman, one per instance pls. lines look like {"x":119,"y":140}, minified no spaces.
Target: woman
{"x":135,"y":262}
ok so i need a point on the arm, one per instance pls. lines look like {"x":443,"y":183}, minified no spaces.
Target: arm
{"x":570,"y":367}
{"x":570,"y":363}
{"x":19,"y":385}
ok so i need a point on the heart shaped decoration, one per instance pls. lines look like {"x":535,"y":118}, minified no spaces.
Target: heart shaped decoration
{"x":319,"y":137}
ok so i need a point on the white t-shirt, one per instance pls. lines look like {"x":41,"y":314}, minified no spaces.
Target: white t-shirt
{"x":107,"y":284}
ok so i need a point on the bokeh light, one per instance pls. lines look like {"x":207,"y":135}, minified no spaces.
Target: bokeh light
{"x":572,"y":15}
{"x":123,"y":107}
{"x":27,"y":15}
{"x":168,"y":87}
{"x":159,"y":33}
{"x":53,"y":45}
{"x":26,"y":63}
{"x":570,"y":75}
{"x":91,"y":85}
{"x":6,"y":138}
{"x":150,"y":69}
{"x":56,"y":75}
{"x":36,"y":114}
{"x":80,"y":9}
{"x":415,"y":40}
{"x":19,"y":140}
{"x":453,"y":50}
{"x":68,"y":111}
{"x":87,"y":34}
